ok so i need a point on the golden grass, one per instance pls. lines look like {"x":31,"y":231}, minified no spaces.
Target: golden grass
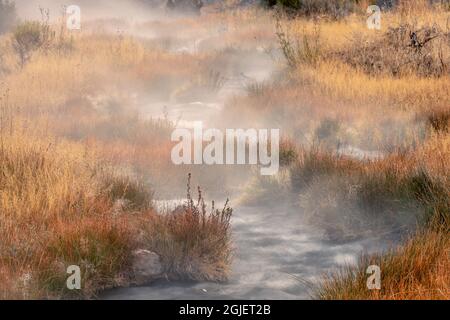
{"x":338,"y":34}
{"x":59,"y":207}
{"x":412,"y":186}
{"x":96,"y":64}
{"x":52,"y":199}
{"x":348,"y":86}
{"x":59,"y":182}
{"x":345,"y":84}
{"x":418,"y":270}
{"x":329,"y":103}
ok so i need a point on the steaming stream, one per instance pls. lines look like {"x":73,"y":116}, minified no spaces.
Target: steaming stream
{"x":276,"y":255}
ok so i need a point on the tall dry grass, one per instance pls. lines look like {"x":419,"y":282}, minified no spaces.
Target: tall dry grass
{"x":328,"y":101}
{"x":70,"y":186}
{"x":60,"y":206}
{"x":418,"y":270}
{"x":62,"y":143}
{"x":55,"y":213}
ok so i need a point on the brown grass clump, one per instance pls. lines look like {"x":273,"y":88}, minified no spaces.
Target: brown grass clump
{"x":357,"y":197}
{"x":419,"y":270}
{"x":54,"y":213}
{"x":195,"y":243}
{"x":304,"y":49}
{"x":396,"y":185}
{"x":401,"y":50}
{"x":439,"y":120}
{"x":61,"y":206}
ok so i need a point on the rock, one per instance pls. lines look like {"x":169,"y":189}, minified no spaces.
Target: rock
{"x":147,"y":266}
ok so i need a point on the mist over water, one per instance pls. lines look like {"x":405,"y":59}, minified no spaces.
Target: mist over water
{"x":277,"y":254}
{"x":276,"y":257}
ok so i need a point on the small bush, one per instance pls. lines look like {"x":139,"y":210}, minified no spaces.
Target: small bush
{"x":288,"y":153}
{"x":316,"y":163}
{"x":327,"y":133}
{"x":400,"y":51}
{"x":433,"y":195}
{"x":440,"y":121}
{"x":194,"y":243}
{"x":306,"y":48}
{"x":28,"y":37}
{"x":133,"y":194}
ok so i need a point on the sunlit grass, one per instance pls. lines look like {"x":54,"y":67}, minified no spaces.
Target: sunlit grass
{"x":68,"y":155}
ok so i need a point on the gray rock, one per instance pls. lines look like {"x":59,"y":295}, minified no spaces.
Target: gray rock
{"x":147,"y":266}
